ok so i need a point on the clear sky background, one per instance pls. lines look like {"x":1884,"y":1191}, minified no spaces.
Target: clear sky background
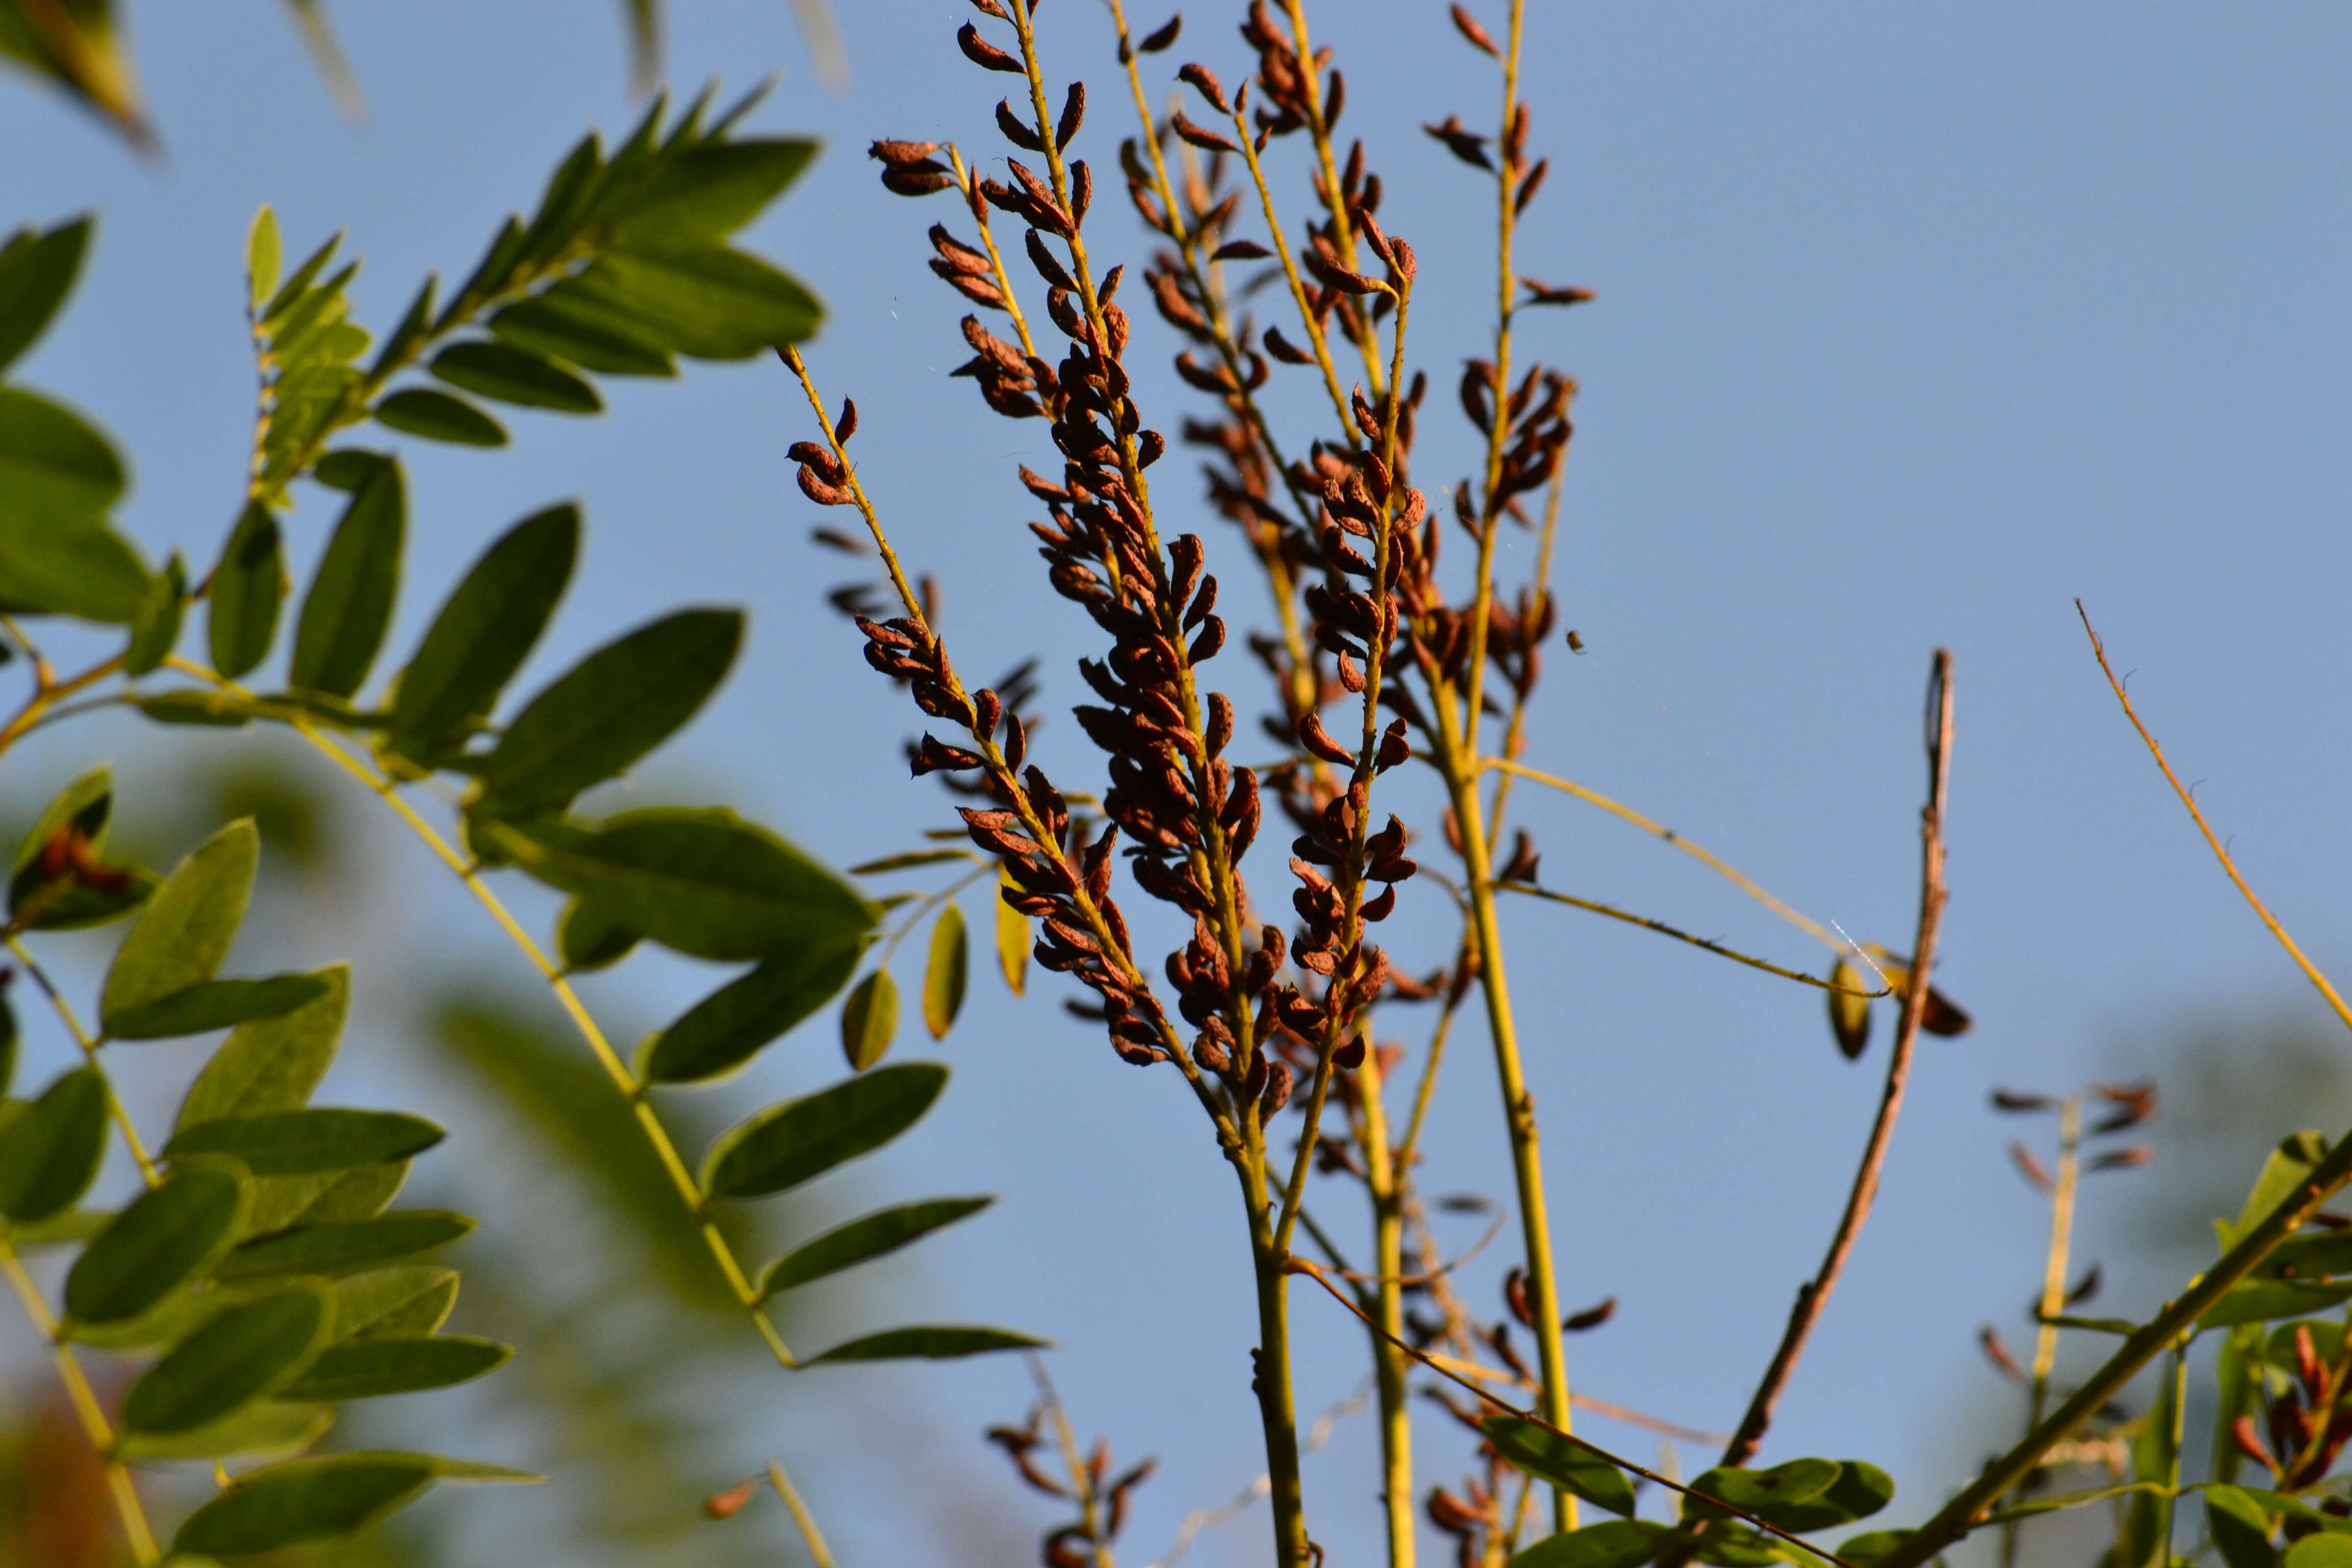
{"x":1914,"y":323}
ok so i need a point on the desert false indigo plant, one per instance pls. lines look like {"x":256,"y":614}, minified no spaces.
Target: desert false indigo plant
{"x":258,"y":1277}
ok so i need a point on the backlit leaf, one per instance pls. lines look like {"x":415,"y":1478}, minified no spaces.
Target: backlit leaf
{"x":215,"y":1005}
{"x":36,"y":273}
{"x":799,"y":1140}
{"x":485,"y":630}
{"x":724,"y":1029}
{"x":293,"y":1142}
{"x":323,"y":1197}
{"x":437,"y":417}
{"x":52,"y":1147}
{"x":182,"y":936}
{"x":43,"y":896}
{"x":243,"y":1352}
{"x":165,"y":1236}
{"x":1013,"y":938}
{"x":587,"y":337}
{"x":345,"y":1248}
{"x":612,"y":708}
{"x":272,"y":1064}
{"x":704,"y":882}
{"x":709,"y":193}
{"x":303,"y":1500}
{"x":1613,"y":1544}
{"x":371,"y":1368}
{"x":263,"y":255}
{"x":708,"y":303}
{"x":394,"y":1301}
{"x":512,"y":374}
{"x":929,"y":1343}
{"x":946,"y":972}
{"x":264,"y":1429}
{"x":348,"y":606}
{"x":867,"y":1238}
{"x":589,"y":935}
{"x":1548,"y":1456}
{"x":247,"y":587}
{"x":869,"y":1019}
{"x":155,"y":629}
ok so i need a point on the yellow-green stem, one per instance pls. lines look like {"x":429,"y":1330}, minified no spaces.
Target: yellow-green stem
{"x":82,"y":1038}
{"x":1385,"y":1178}
{"x":803,"y":1519}
{"x":86,"y":1408}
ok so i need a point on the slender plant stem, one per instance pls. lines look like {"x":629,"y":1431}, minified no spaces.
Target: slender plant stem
{"x":968,"y":183}
{"x":803,"y":1519}
{"x":48,"y":692}
{"x":2054,"y":1284}
{"x":1706,"y":857}
{"x":1343,"y":226}
{"x":82,"y":1038}
{"x":1812,"y":1297}
{"x":1385,"y":1179}
{"x":1270,"y":1376}
{"x":1708,"y":944}
{"x":1083,"y":1486}
{"x":87,"y":1409}
{"x":2261,"y":911}
{"x":1500,"y":427}
{"x":1457,"y":762}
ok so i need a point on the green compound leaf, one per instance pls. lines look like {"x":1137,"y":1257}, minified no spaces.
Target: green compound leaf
{"x":929,"y":1343}
{"x":1548,"y":1456}
{"x":216,"y":1004}
{"x":437,"y":417}
{"x":2261,"y":1301}
{"x":726,"y":1028}
{"x":52,"y":1147}
{"x":869,"y":1020}
{"x":165,"y":1238}
{"x":946,"y":974}
{"x":704,"y":882}
{"x":871,"y":1236}
{"x":243,"y":1352}
{"x":265,"y":1429}
{"x":297,"y":1143}
{"x":272,"y":1064}
{"x":345,"y":615}
{"x":346,"y":1248}
{"x":36,"y":273}
{"x":247,"y":587}
{"x":799,"y":1140}
{"x":318,"y":1500}
{"x":1800,"y":1495}
{"x":282,"y":1203}
{"x":372,"y":1368}
{"x":182,"y":936}
{"x":394,"y":1302}
{"x":54,"y":465}
{"x":485,"y":631}
{"x":515,"y":375}
{"x":1614,"y":1543}
{"x":611,"y":709}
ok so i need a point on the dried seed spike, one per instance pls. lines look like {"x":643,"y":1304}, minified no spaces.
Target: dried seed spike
{"x":1159,"y":39}
{"x":1074,"y":114}
{"x":846,"y":427}
{"x":1205,"y":81}
{"x":1477,"y":35}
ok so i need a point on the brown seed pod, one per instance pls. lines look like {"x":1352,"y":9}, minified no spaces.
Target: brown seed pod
{"x":1478,"y":37}
{"x":982,"y":53}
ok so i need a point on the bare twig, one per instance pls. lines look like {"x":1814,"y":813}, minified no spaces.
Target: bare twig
{"x":1815,"y":1295}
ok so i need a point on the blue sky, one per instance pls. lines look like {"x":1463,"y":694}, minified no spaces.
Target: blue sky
{"x":1914,"y":324}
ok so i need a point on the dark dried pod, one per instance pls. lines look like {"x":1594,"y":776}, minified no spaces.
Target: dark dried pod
{"x":1592,"y":1317}
{"x":1239,"y":250}
{"x":1279,"y":1081}
{"x":917,"y":179}
{"x":1463,"y":144}
{"x":2029,"y":1165}
{"x":1205,"y":82}
{"x":1074,"y":114}
{"x":982,"y":53}
{"x":2123,"y":1159}
{"x":1200,"y":136}
{"x":1161,"y":36}
{"x":1470,"y":29}
{"x":1283,"y":349}
{"x":2012,"y":1100}
{"x":1016,"y":130}
{"x":1530,"y":186}
{"x":1997,"y":1351}
{"x":1049,"y":266}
